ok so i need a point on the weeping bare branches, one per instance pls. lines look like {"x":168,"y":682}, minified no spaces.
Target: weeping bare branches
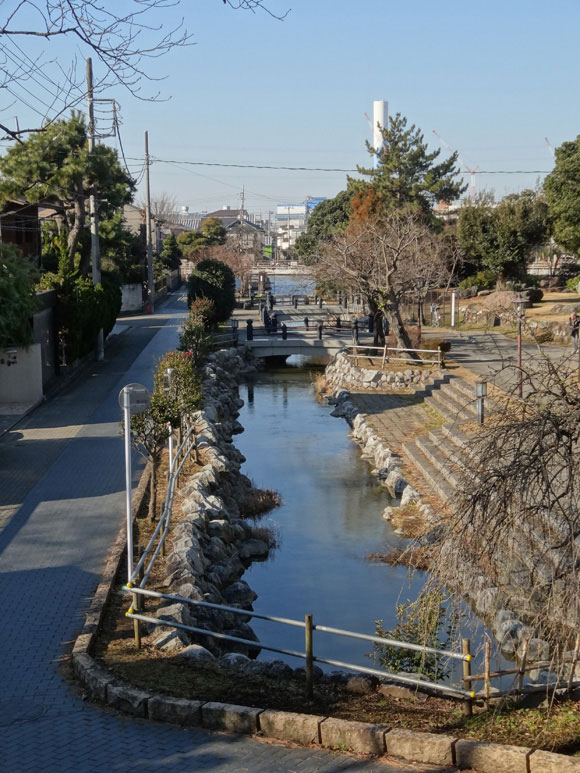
{"x":517,"y":516}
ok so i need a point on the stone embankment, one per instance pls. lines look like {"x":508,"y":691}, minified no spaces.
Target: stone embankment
{"x":342,"y":373}
{"x":343,"y":376}
{"x":214,"y":542}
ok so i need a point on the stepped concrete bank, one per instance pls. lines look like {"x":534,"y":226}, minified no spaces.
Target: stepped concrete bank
{"x":382,"y":425}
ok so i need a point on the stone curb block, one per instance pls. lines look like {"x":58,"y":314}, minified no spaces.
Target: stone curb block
{"x":127,"y":698}
{"x":82,"y":644}
{"x":288,"y":726}
{"x":547,"y":762}
{"x":95,"y":678}
{"x":491,"y":757}
{"x":420,"y":747}
{"x":233,"y":719}
{"x":358,"y":737}
{"x":178,"y":711}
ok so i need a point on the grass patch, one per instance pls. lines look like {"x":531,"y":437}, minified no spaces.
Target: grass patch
{"x":435,"y":420}
{"x":555,"y":729}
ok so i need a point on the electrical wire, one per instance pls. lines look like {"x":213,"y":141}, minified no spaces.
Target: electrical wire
{"x":316,"y":168}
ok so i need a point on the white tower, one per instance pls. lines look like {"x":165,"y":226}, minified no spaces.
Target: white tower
{"x":380,"y":120}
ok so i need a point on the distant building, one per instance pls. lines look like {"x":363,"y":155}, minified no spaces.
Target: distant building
{"x":292,"y":220}
{"x":243,"y":233}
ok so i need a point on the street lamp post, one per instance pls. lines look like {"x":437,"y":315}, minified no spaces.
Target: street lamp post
{"x":480,"y":393}
{"x":520,"y":302}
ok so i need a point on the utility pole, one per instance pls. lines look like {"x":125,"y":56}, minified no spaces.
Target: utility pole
{"x":93,"y":205}
{"x":269,"y":226}
{"x":149,"y":236}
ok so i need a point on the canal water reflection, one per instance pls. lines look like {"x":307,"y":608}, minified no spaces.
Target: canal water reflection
{"x":329,"y":522}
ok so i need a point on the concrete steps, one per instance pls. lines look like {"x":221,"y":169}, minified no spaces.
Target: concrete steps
{"x":442,"y":455}
{"x":430,"y":472}
{"x":439,"y":455}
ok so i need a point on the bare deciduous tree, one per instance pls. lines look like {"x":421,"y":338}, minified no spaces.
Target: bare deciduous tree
{"x":381,"y":258}
{"x":240,"y":262}
{"x":162,"y":206}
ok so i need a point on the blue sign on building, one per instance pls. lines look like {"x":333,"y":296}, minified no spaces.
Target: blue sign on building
{"x":311,"y":203}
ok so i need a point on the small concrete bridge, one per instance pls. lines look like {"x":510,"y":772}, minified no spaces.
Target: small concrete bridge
{"x":310,"y":346}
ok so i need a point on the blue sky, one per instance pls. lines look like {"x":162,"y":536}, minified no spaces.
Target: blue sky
{"x":494,"y":79}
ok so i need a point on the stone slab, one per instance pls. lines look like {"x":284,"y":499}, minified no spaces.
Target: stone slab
{"x":231,"y":718}
{"x":92,"y":676}
{"x":358,"y":737}
{"x":491,"y":757}
{"x":548,"y":762}
{"x":178,"y":711}
{"x":420,"y":747}
{"x":288,"y":726}
{"x":126,"y":698}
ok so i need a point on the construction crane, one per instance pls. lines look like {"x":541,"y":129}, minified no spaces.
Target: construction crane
{"x":472,"y":170}
{"x":551,"y":149}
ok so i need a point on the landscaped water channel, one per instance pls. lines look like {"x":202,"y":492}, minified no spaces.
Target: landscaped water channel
{"x":329,"y":522}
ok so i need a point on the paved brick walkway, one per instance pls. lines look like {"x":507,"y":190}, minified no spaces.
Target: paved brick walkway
{"x":61,"y":494}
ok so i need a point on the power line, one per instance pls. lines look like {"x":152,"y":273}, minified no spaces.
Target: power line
{"x":316,"y":168}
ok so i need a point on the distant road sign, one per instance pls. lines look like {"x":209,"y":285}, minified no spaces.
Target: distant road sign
{"x":139,"y":398}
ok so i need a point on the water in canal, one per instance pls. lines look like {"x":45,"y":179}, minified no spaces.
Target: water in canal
{"x":329,"y":522}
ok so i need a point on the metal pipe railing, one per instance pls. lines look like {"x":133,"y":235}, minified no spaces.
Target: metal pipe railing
{"x":449,"y":690}
{"x":204,"y":632}
{"x":166,"y":513}
{"x":309,"y":626}
{"x":384,"y":350}
{"x":398,"y":678}
{"x":391,"y":642}
{"x":235,"y":610}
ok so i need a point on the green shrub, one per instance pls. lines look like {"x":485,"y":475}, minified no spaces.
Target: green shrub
{"x":572,"y":284}
{"x":82,"y":310}
{"x":18,"y":298}
{"x":215,"y":280}
{"x":483,"y":280}
{"x":201,"y":312}
{"x":194,"y":338}
{"x":184,"y":390}
{"x":534,"y":294}
{"x":419,"y":622}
